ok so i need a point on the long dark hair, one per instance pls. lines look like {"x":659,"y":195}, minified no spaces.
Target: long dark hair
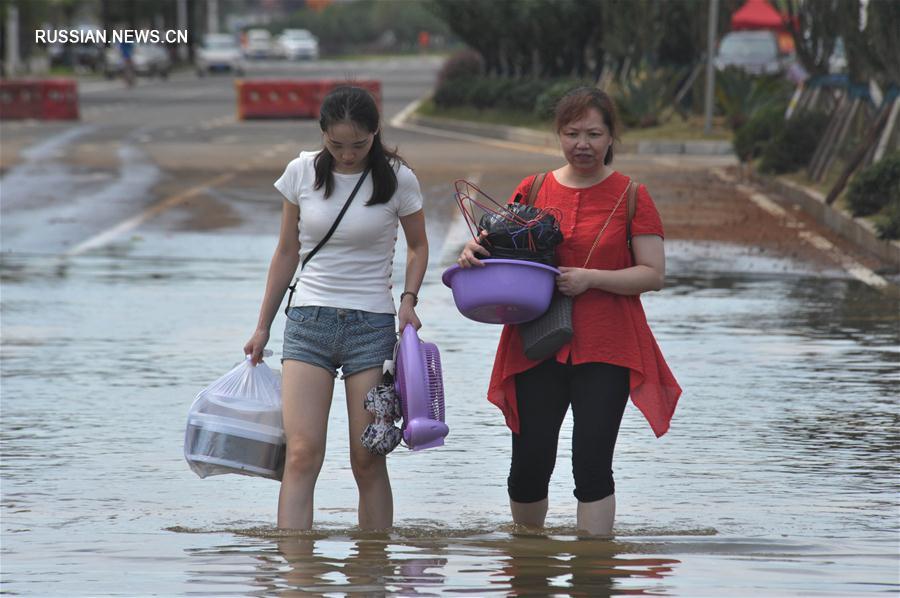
{"x":357,"y":106}
{"x":575,"y":104}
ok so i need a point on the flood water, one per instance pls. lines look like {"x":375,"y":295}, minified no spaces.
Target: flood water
{"x":779,"y":475}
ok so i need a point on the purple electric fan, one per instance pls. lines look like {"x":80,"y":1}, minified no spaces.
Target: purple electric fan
{"x":419,"y":384}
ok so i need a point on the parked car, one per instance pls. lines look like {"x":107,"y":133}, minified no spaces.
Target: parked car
{"x":755,"y":52}
{"x":258,"y":44}
{"x":150,"y":60}
{"x":81,"y":57}
{"x":297,"y":44}
{"x":219,"y":52}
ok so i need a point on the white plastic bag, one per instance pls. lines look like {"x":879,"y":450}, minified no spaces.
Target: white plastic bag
{"x":234,"y":425}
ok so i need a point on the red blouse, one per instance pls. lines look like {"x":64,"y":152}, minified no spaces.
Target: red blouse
{"x":608,"y":328}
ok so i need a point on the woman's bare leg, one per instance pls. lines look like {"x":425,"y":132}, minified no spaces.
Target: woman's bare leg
{"x":376,"y":502}
{"x":306,"y":399}
{"x":597,"y":517}
{"x":529,"y":514}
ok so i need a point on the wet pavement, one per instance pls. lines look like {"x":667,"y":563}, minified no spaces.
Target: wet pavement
{"x":777,"y":478}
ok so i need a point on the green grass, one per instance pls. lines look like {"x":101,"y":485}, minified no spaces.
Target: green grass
{"x":510,"y":118}
{"x":61,"y":71}
{"x":799,"y":177}
{"x":376,"y":56}
{"x":675,"y":129}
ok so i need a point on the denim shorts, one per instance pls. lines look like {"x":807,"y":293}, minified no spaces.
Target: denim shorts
{"x":333,"y":338}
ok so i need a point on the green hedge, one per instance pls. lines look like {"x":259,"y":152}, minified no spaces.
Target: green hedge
{"x":887,"y":222}
{"x":793,"y":145}
{"x":875,"y":190}
{"x":751,"y":138}
{"x":526,"y":95}
{"x":874,"y":187}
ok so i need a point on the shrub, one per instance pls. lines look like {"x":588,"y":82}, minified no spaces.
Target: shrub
{"x":487,"y":92}
{"x":751,"y":138}
{"x":876,"y":187}
{"x":461,"y":65}
{"x":454,"y":92}
{"x":740,"y":95}
{"x":887,"y":223}
{"x":793,"y":145}
{"x":642,"y":98}
{"x":522,"y":94}
{"x":484,"y":92}
{"x":545,"y":104}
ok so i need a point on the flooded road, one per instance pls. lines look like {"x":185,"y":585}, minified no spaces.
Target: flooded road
{"x":778,"y":477}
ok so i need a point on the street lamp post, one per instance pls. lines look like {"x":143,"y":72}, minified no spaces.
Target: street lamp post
{"x":212,"y":16}
{"x":710,"y":70}
{"x":12,"y":40}
{"x":182,"y":18}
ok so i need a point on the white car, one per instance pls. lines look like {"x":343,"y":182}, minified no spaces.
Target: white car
{"x":297,"y":44}
{"x":258,"y":44}
{"x":754,"y":52}
{"x":219,"y":52}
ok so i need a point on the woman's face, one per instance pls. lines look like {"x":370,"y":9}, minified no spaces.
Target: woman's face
{"x":349,"y":145}
{"x":585,"y":142}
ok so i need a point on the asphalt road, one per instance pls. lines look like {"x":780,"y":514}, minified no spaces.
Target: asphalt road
{"x":168,"y":157}
{"x":144,"y":148}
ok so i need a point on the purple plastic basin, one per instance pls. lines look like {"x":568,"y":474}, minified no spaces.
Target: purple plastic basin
{"x":503,"y":291}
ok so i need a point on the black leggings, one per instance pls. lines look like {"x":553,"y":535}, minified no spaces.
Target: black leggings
{"x":598,"y":393}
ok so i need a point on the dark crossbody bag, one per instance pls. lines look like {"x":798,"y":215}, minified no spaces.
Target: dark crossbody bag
{"x":544,"y":336}
{"x":293,"y":286}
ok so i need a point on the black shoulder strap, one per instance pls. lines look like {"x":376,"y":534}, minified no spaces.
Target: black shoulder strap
{"x":309,"y":256}
{"x":336,"y":221}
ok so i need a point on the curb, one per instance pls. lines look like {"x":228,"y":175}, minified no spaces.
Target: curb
{"x":516,"y":134}
{"x":856,"y":230}
{"x":532,"y":137}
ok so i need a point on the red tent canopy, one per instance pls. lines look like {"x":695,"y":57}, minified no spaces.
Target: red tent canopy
{"x":757,"y":14}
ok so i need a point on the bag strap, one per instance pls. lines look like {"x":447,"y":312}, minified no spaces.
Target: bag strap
{"x":632,"y":206}
{"x":309,"y":256}
{"x":535,"y":187}
{"x":626,"y":191}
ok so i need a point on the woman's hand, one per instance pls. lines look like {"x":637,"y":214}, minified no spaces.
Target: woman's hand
{"x":256,"y":344}
{"x":407,"y":315}
{"x":473,"y":248}
{"x":573,"y":281}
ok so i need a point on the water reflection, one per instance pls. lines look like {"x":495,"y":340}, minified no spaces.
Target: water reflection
{"x":372,"y":566}
{"x":488,"y":563}
{"x":785,"y":447}
{"x":540,"y":566}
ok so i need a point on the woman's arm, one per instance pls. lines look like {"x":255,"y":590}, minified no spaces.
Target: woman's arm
{"x":648,"y":273}
{"x":281,"y":269}
{"x":416,"y":263}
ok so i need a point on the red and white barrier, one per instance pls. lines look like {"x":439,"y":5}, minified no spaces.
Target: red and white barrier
{"x":41,"y":99}
{"x":290,"y":98}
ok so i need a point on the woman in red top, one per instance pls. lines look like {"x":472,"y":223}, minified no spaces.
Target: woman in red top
{"x":612,"y":353}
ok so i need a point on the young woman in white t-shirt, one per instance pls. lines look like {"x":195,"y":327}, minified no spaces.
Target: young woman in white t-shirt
{"x":342,"y":315}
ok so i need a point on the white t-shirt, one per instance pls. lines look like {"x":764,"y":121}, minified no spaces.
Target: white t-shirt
{"x":353,"y":269}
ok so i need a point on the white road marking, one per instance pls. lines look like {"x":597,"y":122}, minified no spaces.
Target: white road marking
{"x":110,"y":234}
{"x":521,"y":147}
{"x":399,"y":120}
{"x":850,"y":265}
